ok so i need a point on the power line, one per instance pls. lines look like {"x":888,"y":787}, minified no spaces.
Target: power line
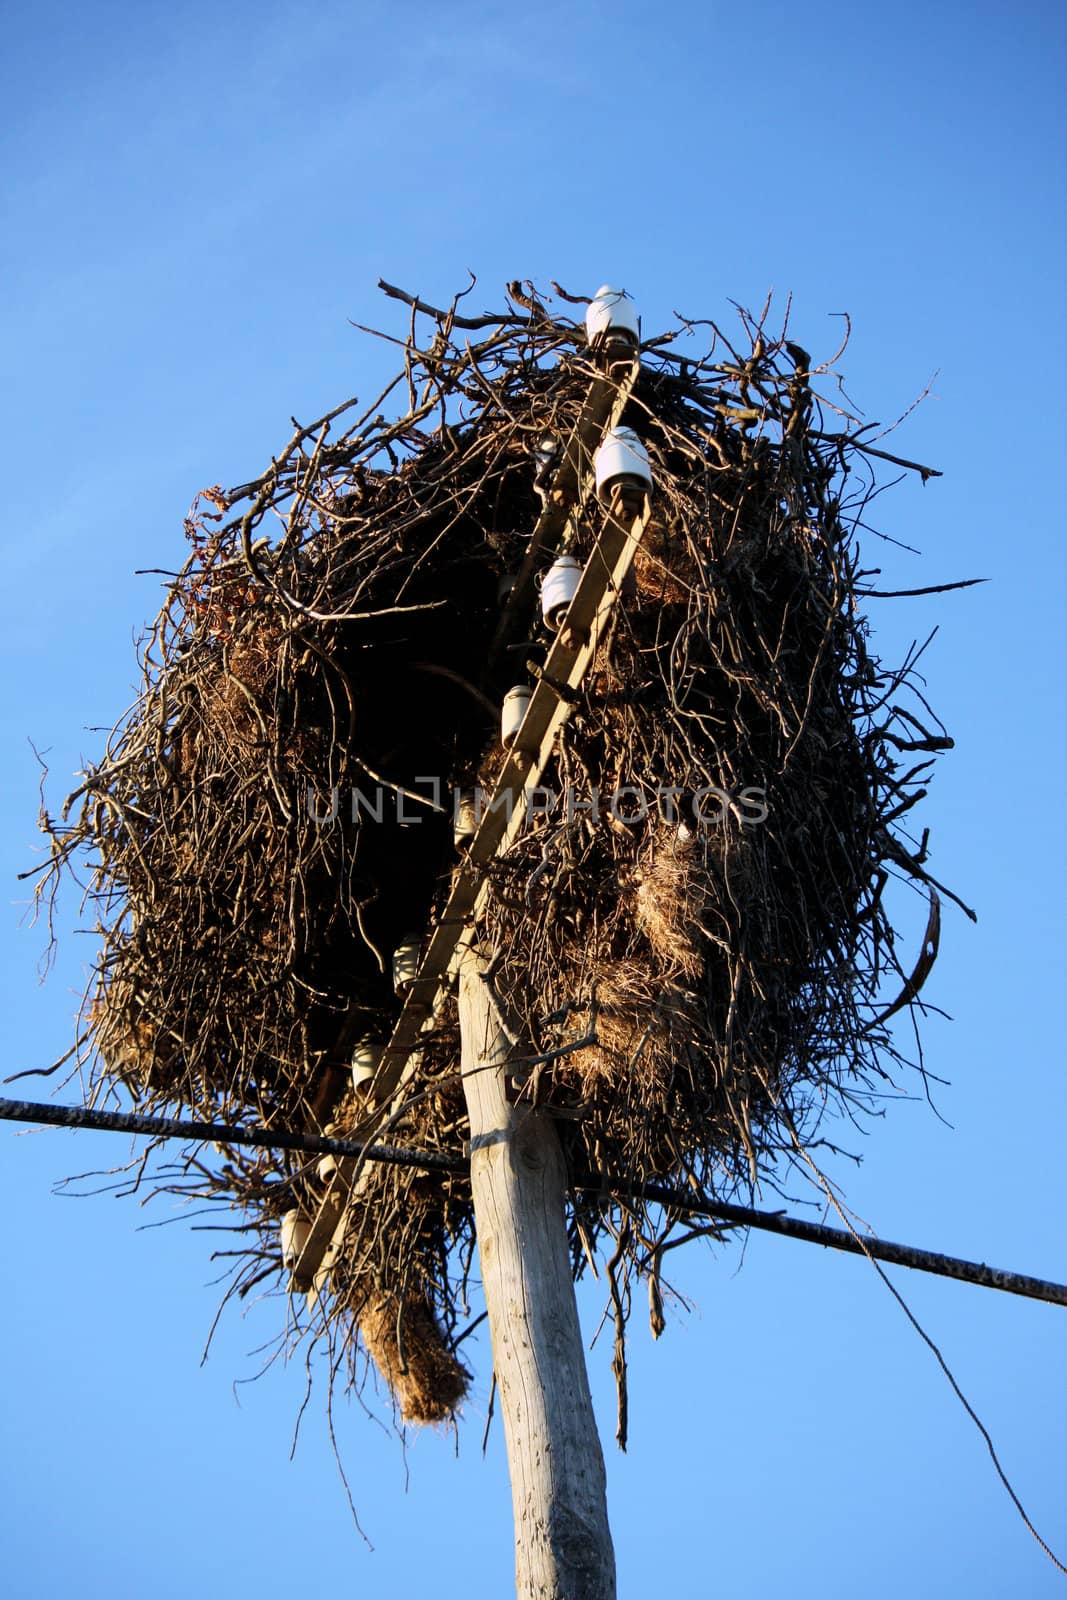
{"x":901,"y":1255}
{"x":311,"y":1144}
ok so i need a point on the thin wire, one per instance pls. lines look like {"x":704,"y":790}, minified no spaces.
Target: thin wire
{"x":827,"y":1189}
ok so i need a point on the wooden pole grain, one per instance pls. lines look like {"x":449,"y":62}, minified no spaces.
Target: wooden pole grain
{"x":563,"y":1548}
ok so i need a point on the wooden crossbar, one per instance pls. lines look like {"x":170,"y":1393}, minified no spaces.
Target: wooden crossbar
{"x":506,"y":812}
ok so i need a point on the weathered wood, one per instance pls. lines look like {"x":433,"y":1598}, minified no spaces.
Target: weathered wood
{"x":571,"y":653}
{"x":563,"y":1548}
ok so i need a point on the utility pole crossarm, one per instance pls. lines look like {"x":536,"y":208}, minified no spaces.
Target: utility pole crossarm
{"x":564,"y":670}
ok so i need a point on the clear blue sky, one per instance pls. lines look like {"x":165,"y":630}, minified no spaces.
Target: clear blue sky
{"x":196,"y":199}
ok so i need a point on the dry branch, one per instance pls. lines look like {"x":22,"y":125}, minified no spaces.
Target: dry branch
{"x":699,"y":969}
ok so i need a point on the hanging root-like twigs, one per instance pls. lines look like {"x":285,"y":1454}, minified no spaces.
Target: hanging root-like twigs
{"x":694,"y":931}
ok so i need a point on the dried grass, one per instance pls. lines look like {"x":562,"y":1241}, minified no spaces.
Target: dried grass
{"x":413,"y":1356}
{"x":331,"y":631}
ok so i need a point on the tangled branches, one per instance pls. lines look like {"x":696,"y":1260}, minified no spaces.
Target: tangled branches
{"x":692,"y":928}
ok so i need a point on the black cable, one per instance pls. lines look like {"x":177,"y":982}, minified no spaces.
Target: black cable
{"x":901,"y":1255}
{"x":223,"y":1133}
{"x":663,"y":1194}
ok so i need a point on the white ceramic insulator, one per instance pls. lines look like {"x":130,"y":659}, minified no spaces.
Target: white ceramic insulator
{"x":559,"y":588}
{"x":622,"y":455}
{"x":465,"y":821}
{"x":612,"y":314}
{"x":516,"y":704}
{"x":365,"y":1058}
{"x":295,"y":1228}
{"x":406,"y":963}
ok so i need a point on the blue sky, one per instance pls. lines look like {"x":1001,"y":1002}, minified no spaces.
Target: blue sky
{"x":194,"y":206}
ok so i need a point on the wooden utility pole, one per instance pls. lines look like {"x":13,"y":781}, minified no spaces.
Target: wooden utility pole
{"x":563,"y":1548}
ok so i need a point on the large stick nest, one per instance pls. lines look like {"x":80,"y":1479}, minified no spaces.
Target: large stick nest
{"x":698,"y":970}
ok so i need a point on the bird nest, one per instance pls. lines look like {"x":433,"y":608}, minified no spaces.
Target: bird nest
{"x":691,"y":930}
